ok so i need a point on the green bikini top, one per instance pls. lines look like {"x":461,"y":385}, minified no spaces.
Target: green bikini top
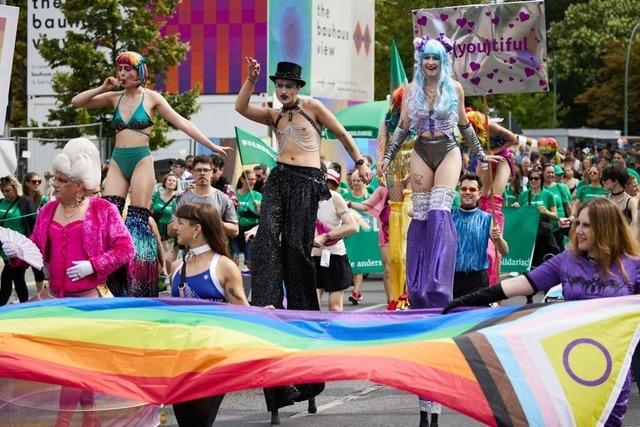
{"x":139,"y":119}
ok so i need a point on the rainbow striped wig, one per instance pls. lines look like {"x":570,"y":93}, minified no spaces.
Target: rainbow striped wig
{"x":446,"y":106}
{"x":135,"y":60}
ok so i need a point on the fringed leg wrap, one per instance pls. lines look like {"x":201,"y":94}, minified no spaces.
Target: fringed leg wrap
{"x":117,"y":281}
{"x":396,"y":264}
{"x":142,"y":270}
{"x":431,"y":251}
{"x":493,"y":205}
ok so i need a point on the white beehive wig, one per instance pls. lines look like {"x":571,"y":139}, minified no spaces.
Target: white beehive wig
{"x":79,"y":161}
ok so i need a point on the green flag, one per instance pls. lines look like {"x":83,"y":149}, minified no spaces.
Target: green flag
{"x":398,"y":76}
{"x":520,"y":230}
{"x":253,"y":150}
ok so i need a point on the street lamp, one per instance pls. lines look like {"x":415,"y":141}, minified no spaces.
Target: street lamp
{"x":626,"y":82}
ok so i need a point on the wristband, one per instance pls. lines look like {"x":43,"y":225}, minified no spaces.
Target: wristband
{"x":360,"y":162}
{"x":253,"y":81}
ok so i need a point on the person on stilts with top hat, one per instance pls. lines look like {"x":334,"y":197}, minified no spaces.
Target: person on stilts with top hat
{"x":282,"y":248}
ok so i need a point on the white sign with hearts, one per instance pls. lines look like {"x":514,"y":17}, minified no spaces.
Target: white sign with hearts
{"x":497,"y":48}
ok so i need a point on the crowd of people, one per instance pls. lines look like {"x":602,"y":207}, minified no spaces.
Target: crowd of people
{"x":438,"y":205}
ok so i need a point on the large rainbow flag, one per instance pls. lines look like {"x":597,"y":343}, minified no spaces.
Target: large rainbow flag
{"x":558,"y":364}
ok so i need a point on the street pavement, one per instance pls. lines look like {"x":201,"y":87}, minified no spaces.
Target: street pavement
{"x":349,"y":403}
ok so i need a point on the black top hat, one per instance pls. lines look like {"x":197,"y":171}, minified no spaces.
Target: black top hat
{"x":288,"y":71}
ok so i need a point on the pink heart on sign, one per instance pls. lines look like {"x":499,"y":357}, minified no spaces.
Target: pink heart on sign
{"x":542,"y":82}
{"x":490,"y":91}
{"x":500,"y":81}
{"x":510,"y":25}
{"x":488,"y":13}
{"x":474,"y":66}
{"x":490,"y":75}
{"x":465,"y":75}
{"x":523,"y":16}
{"x":510,"y":79}
{"x":470,"y":24}
{"x":529,"y":72}
{"x":461,"y":22}
{"x":422,"y":21}
{"x":415,"y":12}
{"x":444,"y":16}
{"x":495,"y":21}
{"x":475,"y":81}
{"x":495,"y":70}
{"x":512,"y":60}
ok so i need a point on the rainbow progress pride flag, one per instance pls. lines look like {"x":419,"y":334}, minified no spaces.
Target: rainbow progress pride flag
{"x":558,"y":364}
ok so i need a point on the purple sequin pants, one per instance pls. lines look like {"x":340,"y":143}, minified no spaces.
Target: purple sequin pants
{"x":431,"y":258}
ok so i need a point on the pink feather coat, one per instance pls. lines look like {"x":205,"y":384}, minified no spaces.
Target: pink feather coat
{"x":105,"y":238}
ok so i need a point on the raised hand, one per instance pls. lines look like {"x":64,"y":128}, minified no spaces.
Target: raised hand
{"x":253,"y":68}
{"x":110,"y":83}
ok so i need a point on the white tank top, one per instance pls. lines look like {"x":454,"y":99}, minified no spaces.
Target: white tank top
{"x":329,"y":217}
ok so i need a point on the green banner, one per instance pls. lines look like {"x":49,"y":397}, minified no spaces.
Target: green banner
{"x":253,"y":150}
{"x":520,"y":230}
{"x":363,"y":250}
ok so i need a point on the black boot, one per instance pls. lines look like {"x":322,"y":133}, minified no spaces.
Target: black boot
{"x":275,"y":418}
{"x":117,"y":281}
{"x":312,"y":406}
{"x":424,"y":419}
{"x":434,"y":420}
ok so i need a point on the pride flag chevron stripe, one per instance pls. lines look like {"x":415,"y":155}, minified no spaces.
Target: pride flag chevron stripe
{"x":507,"y":366}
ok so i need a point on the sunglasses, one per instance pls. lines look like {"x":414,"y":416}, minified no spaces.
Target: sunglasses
{"x":36,"y":181}
{"x":593,"y":173}
{"x":288,"y":86}
{"x":468,"y":189}
{"x":534,"y":178}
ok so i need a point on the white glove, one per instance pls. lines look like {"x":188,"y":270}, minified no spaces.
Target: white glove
{"x":79,"y":270}
{"x":10,"y":249}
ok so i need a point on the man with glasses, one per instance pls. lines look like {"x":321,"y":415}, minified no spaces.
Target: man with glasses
{"x":179,"y":169}
{"x":204,"y":193}
{"x":474,"y":228}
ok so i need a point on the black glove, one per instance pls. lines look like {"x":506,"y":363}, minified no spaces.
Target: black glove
{"x":484,"y":296}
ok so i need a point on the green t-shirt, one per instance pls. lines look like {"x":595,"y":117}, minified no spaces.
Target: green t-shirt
{"x":10,"y":218}
{"x":587,"y":192}
{"x":247,"y":213}
{"x":543,"y":198}
{"x":165,"y":214}
{"x":509,"y":196}
{"x":562,"y":195}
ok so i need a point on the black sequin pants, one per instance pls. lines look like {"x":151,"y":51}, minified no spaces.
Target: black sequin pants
{"x":282,"y":248}
{"x":282,"y":252}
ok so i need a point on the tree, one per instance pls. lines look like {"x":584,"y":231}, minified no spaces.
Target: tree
{"x":605,"y":100}
{"x":581,"y":39}
{"x":531,"y":110}
{"x":108,"y":28}
{"x":18,"y":101}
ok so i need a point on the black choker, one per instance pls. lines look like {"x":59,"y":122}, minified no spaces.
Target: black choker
{"x":617,"y":194}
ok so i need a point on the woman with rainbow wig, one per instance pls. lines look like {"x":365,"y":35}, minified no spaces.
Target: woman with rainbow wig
{"x":432,"y":105}
{"x":131,"y":166}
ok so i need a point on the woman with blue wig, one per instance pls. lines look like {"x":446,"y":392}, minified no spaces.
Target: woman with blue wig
{"x":131,"y":167}
{"x":432,"y":106}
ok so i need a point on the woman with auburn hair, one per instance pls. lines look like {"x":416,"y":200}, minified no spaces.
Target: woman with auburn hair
{"x":206,"y":272}
{"x":602,"y":260}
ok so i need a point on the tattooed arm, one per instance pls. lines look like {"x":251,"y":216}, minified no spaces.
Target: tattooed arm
{"x":231,"y":280}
